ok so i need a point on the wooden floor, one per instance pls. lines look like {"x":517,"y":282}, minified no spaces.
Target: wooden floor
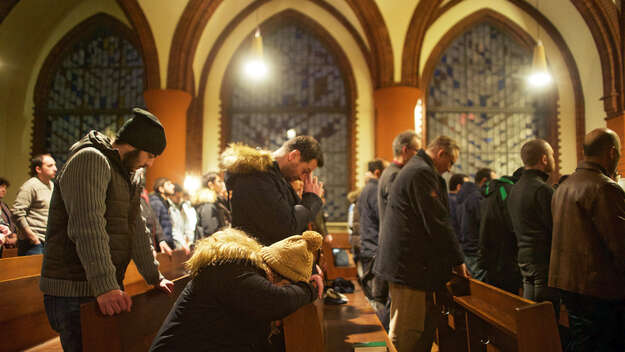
{"x":353,"y":322}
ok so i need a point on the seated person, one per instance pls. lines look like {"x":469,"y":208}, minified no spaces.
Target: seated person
{"x":233,"y":297}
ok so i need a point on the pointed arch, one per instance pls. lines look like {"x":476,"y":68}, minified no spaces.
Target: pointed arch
{"x":54,"y":62}
{"x":272,"y":24}
{"x":520,"y":36}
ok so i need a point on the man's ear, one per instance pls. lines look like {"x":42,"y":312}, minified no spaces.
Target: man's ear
{"x":294,"y":155}
{"x":545,"y":159}
{"x":377,"y":173}
{"x":440,"y":153}
{"x":38,"y":170}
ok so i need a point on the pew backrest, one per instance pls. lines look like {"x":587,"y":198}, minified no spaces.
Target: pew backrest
{"x":16,"y":267}
{"x":128,"y":331}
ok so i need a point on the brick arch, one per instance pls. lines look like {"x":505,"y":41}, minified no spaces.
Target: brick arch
{"x":55,"y":58}
{"x":293,"y":16}
{"x":140,"y":24}
{"x":371,"y":20}
{"x":517,"y":33}
{"x":602,"y":18}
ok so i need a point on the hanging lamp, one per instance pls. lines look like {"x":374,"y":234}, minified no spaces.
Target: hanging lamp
{"x":539,"y":76}
{"x":255,"y":67}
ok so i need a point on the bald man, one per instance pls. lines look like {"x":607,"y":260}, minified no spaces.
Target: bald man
{"x":529,"y":206}
{"x":588,"y":248}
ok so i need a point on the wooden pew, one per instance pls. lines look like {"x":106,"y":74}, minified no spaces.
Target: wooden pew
{"x":304,"y":329}
{"x":341,"y":241}
{"x":129,"y":331}
{"x":15,"y":267}
{"x":352,"y":322}
{"x":9,"y":252}
{"x":22,"y":314}
{"x":488,"y":318}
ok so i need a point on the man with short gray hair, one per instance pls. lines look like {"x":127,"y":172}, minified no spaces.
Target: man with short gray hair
{"x":418,"y":247}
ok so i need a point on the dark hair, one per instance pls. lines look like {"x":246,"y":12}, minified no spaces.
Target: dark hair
{"x":209,"y":177}
{"x":483,"y":173}
{"x":308,"y":147}
{"x":600,"y":144}
{"x":178,"y":188}
{"x":35,"y":162}
{"x":533,"y":151}
{"x":455,"y":180}
{"x":160,"y":182}
{"x":376,"y":164}
{"x":402,"y":140}
{"x":4,"y":182}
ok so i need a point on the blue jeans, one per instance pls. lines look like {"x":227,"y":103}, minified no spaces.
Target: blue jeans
{"x":25,"y":247}
{"x":535,"y":278}
{"x":595,"y":324}
{"x":64,"y":317}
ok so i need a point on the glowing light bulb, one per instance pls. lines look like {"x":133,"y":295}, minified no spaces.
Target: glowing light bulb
{"x":256,"y":69}
{"x":291,"y":134}
{"x":192,"y":183}
{"x":539,"y":79}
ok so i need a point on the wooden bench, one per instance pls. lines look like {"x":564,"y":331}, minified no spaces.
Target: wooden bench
{"x":9,"y":252}
{"x":340,"y":241}
{"x":480,"y":317}
{"x":352,"y":322}
{"x":128,"y":331}
{"x":22,"y":314}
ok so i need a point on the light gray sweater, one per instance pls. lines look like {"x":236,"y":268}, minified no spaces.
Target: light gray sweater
{"x":30,"y":209}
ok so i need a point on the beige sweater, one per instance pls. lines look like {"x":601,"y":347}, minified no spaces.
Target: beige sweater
{"x":30,"y":209}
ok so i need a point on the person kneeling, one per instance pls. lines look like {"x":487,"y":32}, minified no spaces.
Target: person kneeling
{"x":233,"y":296}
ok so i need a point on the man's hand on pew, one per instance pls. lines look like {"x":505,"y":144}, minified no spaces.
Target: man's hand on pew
{"x":114,"y":302}
{"x":461,"y":270}
{"x":166,"y":286}
{"x":317,"y":281}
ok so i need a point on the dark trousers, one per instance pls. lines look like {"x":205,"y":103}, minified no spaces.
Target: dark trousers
{"x":64,"y":317}
{"x":594,"y":324}
{"x":25,"y":247}
{"x":535,"y":278}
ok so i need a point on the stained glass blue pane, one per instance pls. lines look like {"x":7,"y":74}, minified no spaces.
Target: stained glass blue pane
{"x":478,"y":97}
{"x":98,"y":83}
{"x":305,"y":91}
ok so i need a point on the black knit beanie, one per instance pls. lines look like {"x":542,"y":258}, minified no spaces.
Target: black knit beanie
{"x":143,"y":131}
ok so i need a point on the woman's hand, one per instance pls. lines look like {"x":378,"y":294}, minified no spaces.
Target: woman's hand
{"x":317,"y":281}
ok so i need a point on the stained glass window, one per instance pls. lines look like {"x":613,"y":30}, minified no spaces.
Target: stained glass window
{"x":478,"y":96}
{"x":99,"y":81}
{"x":305,"y":91}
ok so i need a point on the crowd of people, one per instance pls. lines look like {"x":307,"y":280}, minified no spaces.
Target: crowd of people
{"x":561,"y":243}
{"x":254,"y":262}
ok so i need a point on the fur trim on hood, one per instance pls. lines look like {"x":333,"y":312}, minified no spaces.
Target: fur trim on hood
{"x":239,"y":158}
{"x":226,"y":246}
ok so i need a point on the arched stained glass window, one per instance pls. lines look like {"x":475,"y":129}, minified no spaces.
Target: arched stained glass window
{"x":478,"y":96}
{"x":305,"y":91}
{"x":95,"y":84}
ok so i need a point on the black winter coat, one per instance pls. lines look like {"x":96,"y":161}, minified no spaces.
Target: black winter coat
{"x":498,"y":245}
{"x":228,"y":308}
{"x":419,"y":246}
{"x":529,"y":206}
{"x":265,"y":206}
{"x":468,"y":217}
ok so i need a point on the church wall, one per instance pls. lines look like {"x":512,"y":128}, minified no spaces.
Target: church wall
{"x":364,"y":102}
{"x":163,"y":20}
{"x":558,"y":68}
{"x":397,"y":16}
{"x":25,"y":48}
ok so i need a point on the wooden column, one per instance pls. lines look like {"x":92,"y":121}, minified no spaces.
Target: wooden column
{"x":617,"y":124}
{"x":394,"y":113}
{"x":170,"y":106}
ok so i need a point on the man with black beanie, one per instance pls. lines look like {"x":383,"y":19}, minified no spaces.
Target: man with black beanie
{"x":93,"y":226}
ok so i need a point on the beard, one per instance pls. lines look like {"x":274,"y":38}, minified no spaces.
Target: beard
{"x":129,"y":160}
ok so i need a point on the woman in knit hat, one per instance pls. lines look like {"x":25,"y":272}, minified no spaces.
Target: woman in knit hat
{"x":232,"y":298}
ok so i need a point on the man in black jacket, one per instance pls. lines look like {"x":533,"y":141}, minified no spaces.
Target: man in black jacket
{"x":529,"y":206}
{"x":419,"y":248}
{"x":263,"y":202}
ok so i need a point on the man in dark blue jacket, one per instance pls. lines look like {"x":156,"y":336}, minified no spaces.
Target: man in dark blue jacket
{"x":468,"y":219}
{"x":370,"y":225}
{"x":419,"y":247}
{"x":158,"y":202}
